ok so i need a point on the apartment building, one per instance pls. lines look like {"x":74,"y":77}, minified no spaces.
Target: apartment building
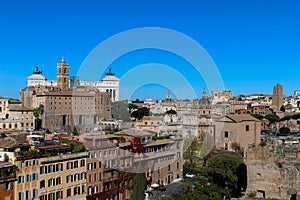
{"x":105,"y":178}
{"x":7,"y":179}
{"x":63,"y":177}
{"x":14,"y":116}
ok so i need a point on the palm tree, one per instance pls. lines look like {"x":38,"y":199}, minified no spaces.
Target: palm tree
{"x":38,"y":112}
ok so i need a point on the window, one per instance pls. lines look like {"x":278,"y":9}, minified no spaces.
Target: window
{"x":34,"y":176}
{"x":42,"y":184}
{"x":20,"y":179}
{"x":27,"y":163}
{"x":51,"y":196}
{"x":20,"y":196}
{"x":59,"y":195}
{"x":58,"y":181}
{"x":69,"y":178}
{"x":35,"y":162}
{"x":76,"y":177}
{"x":59,"y":167}
{"x":68,"y":192}
{"x":8,"y":186}
{"x":226,"y":134}
{"x":76,"y":190}
{"x":69,"y":165}
{"x":83,"y":189}
{"x":95,"y":155}
{"x":34,"y":193}
{"x":90,"y":190}
{"x":43,"y":170}
{"x":82,"y":163}
{"x":247,"y":128}
{"x":27,"y":194}
{"x":51,"y":168}
{"x":51,"y":182}
{"x":90,"y":166}
{"x":169,"y":167}
{"x":76,"y":164}
{"x":99,"y":164}
{"x":95,"y":165}
{"x":95,"y":189}
{"x":177,"y":165}
{"x":43,"y":197}
{"x":226,"y":147}
{"x":82,"y":175}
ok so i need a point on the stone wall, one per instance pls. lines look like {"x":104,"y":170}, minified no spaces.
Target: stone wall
{"x":271,"y":178}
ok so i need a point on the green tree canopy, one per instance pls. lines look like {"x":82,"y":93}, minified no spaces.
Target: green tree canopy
{"x":191,"y":153}
{"x":272,"y":118}
{"x":285,"y":130}
{"x":140,"y":113}
{"x":171,"y":112}
{"x":286,"y":118}
{"x":138,"y":185}
{"x":132,"y":107}
{"x":223,"y":170}
{"x":37,"y":112}
{"x":257,"y":116}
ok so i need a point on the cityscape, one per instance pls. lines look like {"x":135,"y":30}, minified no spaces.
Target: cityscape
{"x":147,"y":114}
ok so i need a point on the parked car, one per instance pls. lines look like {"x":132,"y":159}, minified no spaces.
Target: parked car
{"x":148,"y":194}
{"x":190,"y":175}
{"x":162,"y":188}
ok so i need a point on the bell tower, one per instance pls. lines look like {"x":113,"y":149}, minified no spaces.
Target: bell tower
{"x":62,"y":74}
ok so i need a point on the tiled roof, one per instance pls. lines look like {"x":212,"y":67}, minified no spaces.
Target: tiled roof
{"x":159,"y":142}
{"x":7,"y":143}
{"x":20,"y":108}
{"x":240,"y":118}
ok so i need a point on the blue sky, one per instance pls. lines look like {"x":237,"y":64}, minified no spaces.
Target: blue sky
{"x":254,"y":44}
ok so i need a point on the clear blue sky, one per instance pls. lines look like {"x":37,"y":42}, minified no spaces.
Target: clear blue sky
{"x":255,"y":44}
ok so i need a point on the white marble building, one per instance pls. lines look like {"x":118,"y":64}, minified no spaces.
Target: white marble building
{"x":110,"y":83}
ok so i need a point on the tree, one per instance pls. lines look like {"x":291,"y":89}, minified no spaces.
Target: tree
{"x":171,"y":112}
{"x":75,"y":131}
{"x":38,"y":112}
{"x":138,"y":185}
{"x":285,"y":130}
{"x":223,"y":170}
{"x":272,"y":118}
{"x":140,"y":113}
{"x":132,"y":107}
{"x":6,"y":158}
{"x":257,"y":116}
{"x":191,"y":153}
{"x":237,"y":147}
{"x":76,"y":147}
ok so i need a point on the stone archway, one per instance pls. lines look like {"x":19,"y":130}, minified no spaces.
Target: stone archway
{"x":292,"y":193}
